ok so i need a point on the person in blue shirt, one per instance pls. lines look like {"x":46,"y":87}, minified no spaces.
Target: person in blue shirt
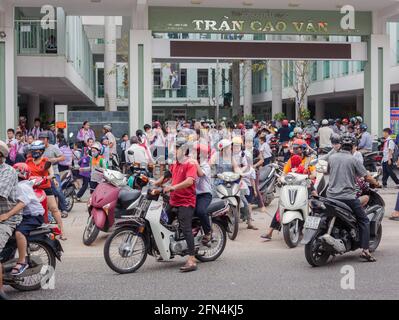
{"x":366,"y":141}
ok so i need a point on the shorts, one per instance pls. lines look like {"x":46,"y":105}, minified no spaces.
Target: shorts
{"x":49,"y":192}
{"x":29,"y":224}
{"x":6,"y":232}
{"x":251,"y":196}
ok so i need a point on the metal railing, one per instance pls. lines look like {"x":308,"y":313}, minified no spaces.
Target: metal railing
{"x":158,"y":92}
{"x":33,"y":39}
{"x":203,"y":91}
{"x":182,"y":92}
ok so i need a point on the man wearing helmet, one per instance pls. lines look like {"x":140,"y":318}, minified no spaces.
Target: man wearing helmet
{"x":343,"y":169}
{"x":32,"y":212}
{"x":325,"y":133}
{"x":299,"y":147}
{"x":366,"y":141}
{"x":8,"y":200}
{"x":310,"y":132}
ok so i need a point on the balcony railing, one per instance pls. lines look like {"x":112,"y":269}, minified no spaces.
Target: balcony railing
{"x":33,"y":39}
{"x":203,"y":91}
{"x":182,"y":93}
{"x":158,"y":92}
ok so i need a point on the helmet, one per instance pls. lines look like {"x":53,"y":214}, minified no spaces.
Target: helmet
{"x":363,"y":127}
{"x":310,"y":122}
{"x":331,"y":122}
{"x":44,"y":134}
{"x":241,"y":126}
{"x":293,"y":122}
{"x":248,"y":125}
{"x":353,"y":120}
{"x":299,"y":143}
{"x":237,"y":140}
{"x":298,"y":130}
{"x":23,"y":170}
{"x":285,"y":123}
{"x":335,"y":138}
{"x":180,"y":142}
{"x":224,"y":143}
{"x":291,"y":135}
{"x":345,"y":121}
{"x":348,"y":140}
{"x":360,"y":119}
{"x":324,"y":122}
{"x":4,"y":150}
{"x":97,"y":145}
{"x":338,"y":120}
{"x":37,"y":146}
{"x":315,"y":123}
{"x":107,"y":127}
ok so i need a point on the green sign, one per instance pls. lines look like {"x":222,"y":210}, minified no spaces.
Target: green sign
{"x":250,"y":21}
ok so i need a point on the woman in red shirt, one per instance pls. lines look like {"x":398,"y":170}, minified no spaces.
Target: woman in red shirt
{"x":41,"y":167}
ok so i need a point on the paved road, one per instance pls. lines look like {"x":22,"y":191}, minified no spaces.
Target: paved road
{"x":248,"y":269}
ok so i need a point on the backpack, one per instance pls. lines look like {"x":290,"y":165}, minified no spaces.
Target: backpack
{"x":68,"y":154}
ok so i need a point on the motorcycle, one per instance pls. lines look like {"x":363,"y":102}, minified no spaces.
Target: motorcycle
{"x":332,"y":229}
{"x":144,"y":232}
{"x":372,"y":161}
{"x":69,"y":189}
{"x":293,"y":206}
{"x":268,"y":176}
{"x":108,"y":202}
{"x":43,"y":249}
{"x":230,"y":190}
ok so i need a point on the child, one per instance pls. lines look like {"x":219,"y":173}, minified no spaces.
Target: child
{"x":32,"y":212}
{"x":97,"y":161}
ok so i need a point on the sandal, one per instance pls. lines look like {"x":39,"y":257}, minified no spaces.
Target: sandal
{"x":251,"y":227}
{"x":63,"y":238}
{"x":266,"y":237}
{"x":206,"y":239}
{"x":394,"y":218}
{"x":367,"y":257}
{"x":188,"y":267}
{"x":64,"y":215}
{"x":19,"y":269}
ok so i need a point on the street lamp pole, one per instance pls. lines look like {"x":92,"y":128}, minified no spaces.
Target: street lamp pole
{"x":217,"y":85}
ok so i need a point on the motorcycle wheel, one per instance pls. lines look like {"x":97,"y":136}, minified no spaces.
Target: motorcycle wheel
{"x":69,"y":200}
{"x":314,"y":253}
{"x":290,"y":237}
{"x":234,"y":215}
{"x":91,"y":232}
{"x":115,"y":247}
{"x":374,"y":243}
{"x":218,"y":244}
{"x":37,"y":281}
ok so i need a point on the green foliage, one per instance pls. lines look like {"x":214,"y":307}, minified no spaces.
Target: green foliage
{"x":280,"y":116}
{"x":304,"y":114}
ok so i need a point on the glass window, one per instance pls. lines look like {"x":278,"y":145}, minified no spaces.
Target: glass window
{"x":157,"y":77}
{"x":314,"y":71}
{"x":345,"y":67}
{"x":326,"y":69}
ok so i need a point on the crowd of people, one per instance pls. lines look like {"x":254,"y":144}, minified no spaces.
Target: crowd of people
{"x":189,"y":153}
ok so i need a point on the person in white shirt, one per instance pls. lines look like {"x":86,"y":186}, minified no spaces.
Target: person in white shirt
{"x":387,"y":159}
{"x":137,"y":155}
{"x":325,"y":133}
{"x":265,"y":153}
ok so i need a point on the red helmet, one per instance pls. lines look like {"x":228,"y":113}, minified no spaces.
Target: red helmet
{"x":300,"y":143}
{"x":240,"y":126}
{"x":23,"y":170}
{"x":285,"y":123}
{"x":345,"y":121}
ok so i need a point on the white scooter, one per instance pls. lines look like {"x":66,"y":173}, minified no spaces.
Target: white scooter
{"x":144,"y":230}
{"x":294,"y":206}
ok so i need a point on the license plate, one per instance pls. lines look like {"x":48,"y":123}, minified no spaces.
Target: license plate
{"x":312,"y":223}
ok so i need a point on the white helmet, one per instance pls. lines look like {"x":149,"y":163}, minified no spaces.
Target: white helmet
{"x":222,"y":144}
{"x":324,"y":122}
{"x":4,"y":150}
{"x":298,"y":130}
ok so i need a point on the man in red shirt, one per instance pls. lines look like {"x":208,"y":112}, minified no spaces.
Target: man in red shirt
{"x":183,"y":196}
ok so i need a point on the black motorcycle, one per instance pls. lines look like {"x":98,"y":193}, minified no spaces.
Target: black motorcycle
{"x":268,"y":176}
{"x":42,"y":252}
{"x":69,"y":189}
{"x":332,"y":229}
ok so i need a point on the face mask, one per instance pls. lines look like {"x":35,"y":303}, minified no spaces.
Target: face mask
{"x":94,"y":153}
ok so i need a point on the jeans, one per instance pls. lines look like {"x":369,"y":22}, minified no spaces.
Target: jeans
{"x":201,"y":210}
{"x":185,"y":216}
{"x":387,"y":171}
{"x":397,"y":203}
{"x":85,"y":185}
{"x":362,"y":221}
{"x":93,"y":186}
{"x":58,"y":193}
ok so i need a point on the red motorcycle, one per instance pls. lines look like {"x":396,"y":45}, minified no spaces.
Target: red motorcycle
{"x":110,"y":200}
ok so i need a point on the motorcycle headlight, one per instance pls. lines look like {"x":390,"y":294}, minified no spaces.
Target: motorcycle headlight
{"x":289,"y":179}
{"x":229,"y":176}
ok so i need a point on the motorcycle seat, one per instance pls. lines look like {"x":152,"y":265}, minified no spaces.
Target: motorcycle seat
{"x":127,"y":196}
{"x":340,"y":204}
{"x":39,"y":231}
{"x":216,"y":205}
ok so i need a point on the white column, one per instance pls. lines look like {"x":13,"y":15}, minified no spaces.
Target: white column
{"x":110,"y":64}
{"x":247,"y":87}
{"x":320,"y":110}
{"x":7,"y":25}
{"x":359,"y":104}
{"x":33,"y":109}
{"x":377,"y":86}
{"x":277,"y":87}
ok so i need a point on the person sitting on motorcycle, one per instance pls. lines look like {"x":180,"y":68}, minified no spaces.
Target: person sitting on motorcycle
{"x":366,"y":140}
{"x":32,"y":212}
{"x":310,"y":131}
{"x":324,"y":134}
{"x":183,"y":196}
{"x":8,"y":200}
{"x":343,"y":169}
{"x":299,"y":147}
{"x":41,"y":167}
{"x":97,"y":161}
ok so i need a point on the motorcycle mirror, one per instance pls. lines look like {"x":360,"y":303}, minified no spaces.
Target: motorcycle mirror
{"x":71,"y":135}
